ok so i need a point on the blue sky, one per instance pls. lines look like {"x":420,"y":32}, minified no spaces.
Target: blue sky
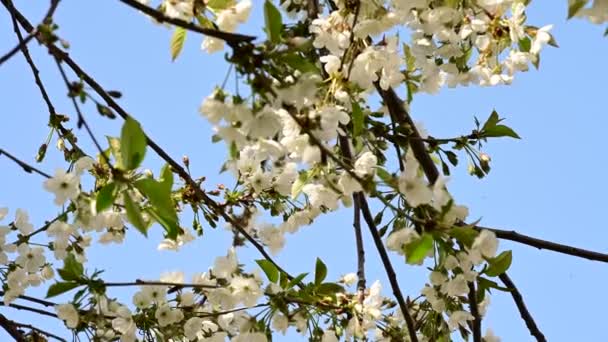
{"x":550,"y":184}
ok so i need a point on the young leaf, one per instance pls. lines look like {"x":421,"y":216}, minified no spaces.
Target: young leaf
{"x":59,"y":288}
{"x":418,"y":249}
{"x":105,"y":197}
{"x":166,"y":178}
{"x":296,"y":280}
{"x":329,"y":289}
{"x":499,"y":264}
{"x":464,"y":235}
{"x":115,"y":149}
{"x":358,"y":119}
{"x":274,"y":22}
{"x":269,"y":269}
{"x":132,"y":144}
{"x":320,"y":272}
{"x":500,"y":131}
{"x":177,"y":41}
{"x":492,"y":121}
{"x":134,"y":214}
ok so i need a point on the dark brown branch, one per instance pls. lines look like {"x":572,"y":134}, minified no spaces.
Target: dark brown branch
{"x":548,"y":245}
{"x":360,"y":249}
{"x":25,"y":166}
{"x":27,"y":308}
{"x":397,"y":111}
{"x":34,"y":300}
{"x":17,"y":48}
{"x":523,"y":310}
{"x":386,"y":262}
{"x":474,"y":307}
{"x":232,"y":39}
{"x":140,"y":282}
{"x":11,"y":328}
{"x":40,"y":331}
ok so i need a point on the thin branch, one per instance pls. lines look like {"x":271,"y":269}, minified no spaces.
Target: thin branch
{"x":25,"y":166}
{"x":40,"y":331}
{"x":548,"y":245}
{"x":11,"y":328}
{"x":17,"y":17}
{"x":27,"y":308}
{"x":386,"y":262}
{"x":34,"y":300}
{"x":139,"y":282}
{"x":232,"y":39}
{"x":17,"y":48}
{"x":473,"y":305}
{"x":523,"y":310}
{"x":360,"y":249}
{"x":81,"y":120}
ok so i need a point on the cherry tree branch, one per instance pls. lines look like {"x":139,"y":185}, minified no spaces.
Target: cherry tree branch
{"x":11,"y":328}
{"x":386,"y":262}
{"x":473,"y":305}
{"x":548,"y":245}
{"x":232,"y":39}
{"x":523,"y":310}
{"x":17,"y":48}
{"x":40,"y":331}
{"x":25,"y":166}
{"x":139,"y":282}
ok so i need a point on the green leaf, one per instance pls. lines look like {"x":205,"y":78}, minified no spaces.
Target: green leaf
{"x":576,"y":6}
{"x":170,"y":225}
{"x":166,"y":178}
{"x":177,"y":41}
{"x":59,"y":288}
{"x":296,"y":280}
{"x":485,"y":283}
{"x":159,"y":195}
{"x":492,"y":121}
{"x":115,"y":149}
{"x":525,"y":44}
{"x":134,"y":214}
{"x":500,"y":131}
{"x":358,"y":119}
{"x":499,"y":264}
{"x":297,"y":186}
{"x":418,"y":249}
{"x":219,"y":4}
{"x":386,"y":177}
{"x":300,"y":63}
{"x":269,"y":269}
{"x":105,"y":197}
{"x":320,"y":272}
{"x":464,"y":235}
{"x":72,"y":265}
{"x":274,"y":22}
{"x":329,"y":289}
{"x":132,"y":144}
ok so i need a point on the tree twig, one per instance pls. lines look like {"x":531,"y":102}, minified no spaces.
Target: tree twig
{"x":523,"y":310}
{"x":25,"y":166}
{"x":232,"y":39}
{"x":548,"y":245}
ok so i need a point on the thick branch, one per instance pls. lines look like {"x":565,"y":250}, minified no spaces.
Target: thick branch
{"x":548,"y":245}
{"x":231,"y":39}
{"x":397,"y":111}
{"x":11,"y":328}
{"x":473,"y":305}
{"x":523,"y":310}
